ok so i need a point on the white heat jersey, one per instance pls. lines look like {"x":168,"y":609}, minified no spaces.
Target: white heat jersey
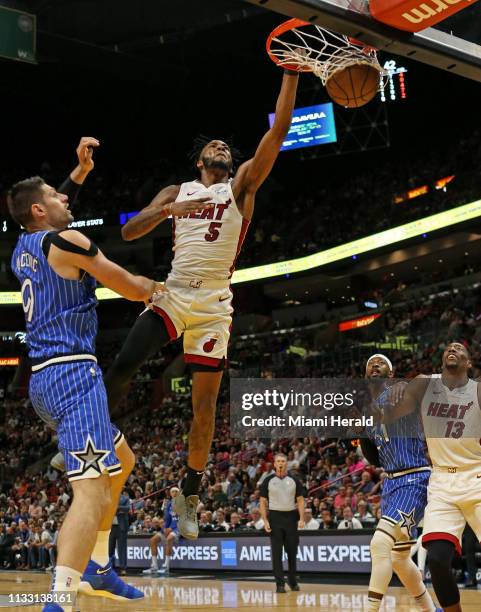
{"x":452,"y":424}
{"x":207,"y":243}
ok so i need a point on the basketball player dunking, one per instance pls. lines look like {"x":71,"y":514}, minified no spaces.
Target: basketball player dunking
{"x":198,"y":303}
{"x":400,"y":449}
{"x":449,"y":404}
{"x":57,"y":269}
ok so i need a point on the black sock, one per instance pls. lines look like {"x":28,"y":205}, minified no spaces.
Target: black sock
{"x":192,"y":482}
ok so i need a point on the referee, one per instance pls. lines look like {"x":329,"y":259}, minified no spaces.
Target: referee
{"x":283,"y":495}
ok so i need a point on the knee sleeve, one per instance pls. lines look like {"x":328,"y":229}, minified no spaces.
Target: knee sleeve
{"x":440,"y":559}
{"x":381,"y":572}
{"x":381,"y":545}
{"x":400,"y":558}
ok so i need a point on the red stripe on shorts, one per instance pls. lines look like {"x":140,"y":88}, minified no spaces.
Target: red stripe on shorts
{"x":168,"y":322}
{"x":209,"y":361}
{"x":441,"y":535}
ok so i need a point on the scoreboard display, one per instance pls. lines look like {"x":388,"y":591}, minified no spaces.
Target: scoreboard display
{"x":311,"y":126}
{"x":17,"y":35}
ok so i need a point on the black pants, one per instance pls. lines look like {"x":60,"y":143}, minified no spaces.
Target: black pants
{"x":118,"y":536}
{"x":7,"y":555}
{"x":147,"y":337}
{"x":284,"y":535}
{"x":469,"y":549}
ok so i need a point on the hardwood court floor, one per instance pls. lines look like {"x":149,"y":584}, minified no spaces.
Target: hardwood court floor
{"x":190,"y":594}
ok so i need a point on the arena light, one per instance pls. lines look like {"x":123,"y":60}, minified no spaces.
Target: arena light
{"x":358,"y":322}
{"x":9,"y":361}
{"x":362,"y":245}
{"x":13,"y":297}
{"x":441,"y":184}
{"x":392,"y":236}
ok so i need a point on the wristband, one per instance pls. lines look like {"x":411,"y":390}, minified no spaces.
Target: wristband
{"x":291,"y":72}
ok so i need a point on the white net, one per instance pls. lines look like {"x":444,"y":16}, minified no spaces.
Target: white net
{"x":312,"y":48}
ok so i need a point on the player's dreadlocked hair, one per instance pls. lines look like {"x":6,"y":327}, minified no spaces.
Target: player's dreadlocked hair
{"x":201,"y":141}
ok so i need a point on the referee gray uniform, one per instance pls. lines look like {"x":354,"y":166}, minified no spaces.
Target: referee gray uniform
{"x":281,"y":494}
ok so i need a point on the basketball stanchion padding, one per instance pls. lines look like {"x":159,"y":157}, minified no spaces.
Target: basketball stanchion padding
{"x":348,"y":68}
{"x":415,"y":15}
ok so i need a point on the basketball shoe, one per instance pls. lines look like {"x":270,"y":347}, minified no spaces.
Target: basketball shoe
{"x":186,"y":510}
{"x":100,"y":581}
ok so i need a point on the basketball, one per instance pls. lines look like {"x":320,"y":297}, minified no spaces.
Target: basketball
{"x":353,"y":86}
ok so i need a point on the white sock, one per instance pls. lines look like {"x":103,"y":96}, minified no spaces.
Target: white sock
{"x":422,"y":556}
{"x":66,"y":580}
{"x":155,"y":562}
{"x":100,"y":553}
{"x":167,"y":562}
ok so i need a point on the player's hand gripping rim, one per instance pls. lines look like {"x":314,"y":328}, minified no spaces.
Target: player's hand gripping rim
{"x":179,"y":209}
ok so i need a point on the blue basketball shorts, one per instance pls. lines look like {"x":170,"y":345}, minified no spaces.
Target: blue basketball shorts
{"x":71,"y":399}
{"x":403,"y":501}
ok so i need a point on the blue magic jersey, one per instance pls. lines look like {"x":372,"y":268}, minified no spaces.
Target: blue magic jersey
{"x":60,"y":314}
{"x":400,"y":444}
{"x":170,"y":518}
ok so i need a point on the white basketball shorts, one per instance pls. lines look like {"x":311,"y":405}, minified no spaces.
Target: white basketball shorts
{"x":201,"y":310}
{"x":454,"y":498}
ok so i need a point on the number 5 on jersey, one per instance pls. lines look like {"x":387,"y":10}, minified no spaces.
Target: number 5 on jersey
{"x":213,"y":231}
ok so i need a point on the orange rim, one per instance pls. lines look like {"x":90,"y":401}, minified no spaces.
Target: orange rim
{"x":288,"y":25}
{"x":359,"y":43}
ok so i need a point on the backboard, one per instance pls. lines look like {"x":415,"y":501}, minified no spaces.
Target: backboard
{"x":453,"y":45}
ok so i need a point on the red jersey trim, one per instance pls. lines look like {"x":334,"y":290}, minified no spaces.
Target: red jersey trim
{"x":168,"y":322}
{"x":240,"y":242}
{"x":441,"y":535}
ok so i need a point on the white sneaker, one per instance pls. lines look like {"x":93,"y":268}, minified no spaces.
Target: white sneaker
{"x":151,"y":571}
{"x":186,"y":510}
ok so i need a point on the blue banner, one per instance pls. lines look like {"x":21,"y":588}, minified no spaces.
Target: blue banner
{"x":319,"y":551}
{"x":311,"y":126}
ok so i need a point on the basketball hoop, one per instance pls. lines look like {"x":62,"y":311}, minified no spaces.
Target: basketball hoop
{"x":306,"y":47}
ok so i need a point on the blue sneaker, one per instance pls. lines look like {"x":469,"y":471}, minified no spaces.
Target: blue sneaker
{"x":103,"y":582}
{"x":52,"y":607}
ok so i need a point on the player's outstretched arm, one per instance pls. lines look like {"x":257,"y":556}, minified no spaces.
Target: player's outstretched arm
{"x":161,"y":207}
{"x":254,"y":172}
{"x":409,"y":402}
{"x":75,"y":252}
{"x":71,"y":185}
